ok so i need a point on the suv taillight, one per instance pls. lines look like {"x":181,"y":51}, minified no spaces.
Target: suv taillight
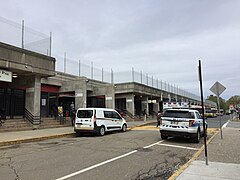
{"x":191,"y":123}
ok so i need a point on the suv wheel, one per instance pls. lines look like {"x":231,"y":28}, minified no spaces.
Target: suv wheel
{"x":163,"y":136}
{"x":197,"y":137}
{"x":101,"y":131}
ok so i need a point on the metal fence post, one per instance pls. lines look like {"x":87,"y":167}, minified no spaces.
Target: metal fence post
{"x":23,"y":34}
{"x":112,"y":76}
{"x":79,"y":68}
{"x":147,"y":79}
{"x":65,"y":62}
{"x":50,"y":47}
{"x":132,"y":74}
{"x":91,"y":70}
{"x":102,"y":74}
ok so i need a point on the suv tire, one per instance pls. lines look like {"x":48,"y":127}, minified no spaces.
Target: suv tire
{"x":197,"y":137}
{"x":163,"y":136}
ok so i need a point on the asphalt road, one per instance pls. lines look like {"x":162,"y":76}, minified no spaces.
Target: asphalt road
{"x":215,"y":122}
{"x":136,"y":154}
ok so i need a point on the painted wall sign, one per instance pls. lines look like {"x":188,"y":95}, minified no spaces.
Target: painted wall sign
{"x":5,"y":76}
{"x":109,"y":98}
{"x":129,"y":100}
{"x":78,"y":94}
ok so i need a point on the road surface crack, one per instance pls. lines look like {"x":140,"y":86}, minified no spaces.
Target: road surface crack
{"x":12,"y":167}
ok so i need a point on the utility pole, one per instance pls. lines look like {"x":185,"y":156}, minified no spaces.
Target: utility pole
{"x":204,"y":124}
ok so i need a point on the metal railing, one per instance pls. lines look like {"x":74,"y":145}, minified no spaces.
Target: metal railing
{"x":22,"y":36}
{"x":17,"y":34}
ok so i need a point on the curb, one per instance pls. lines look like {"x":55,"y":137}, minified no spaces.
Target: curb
{"x":19,"y":141}
{"x":195,"y":156}
{"x":140,"y":125}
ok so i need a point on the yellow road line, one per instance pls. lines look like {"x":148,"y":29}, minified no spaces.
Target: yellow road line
{"x":149,"y":128}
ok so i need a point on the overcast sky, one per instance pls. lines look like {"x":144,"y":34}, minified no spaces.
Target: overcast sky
{"x":164,"y":38}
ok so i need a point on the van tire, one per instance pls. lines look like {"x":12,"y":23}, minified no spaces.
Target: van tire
{"x":101,"y":131}
{"x":124,"y":128}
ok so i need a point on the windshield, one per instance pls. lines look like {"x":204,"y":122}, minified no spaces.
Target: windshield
{"x":85,"y":114}
{"x":179,"y":114}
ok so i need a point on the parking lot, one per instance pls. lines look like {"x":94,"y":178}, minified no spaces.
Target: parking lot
{"x":136,"y":154}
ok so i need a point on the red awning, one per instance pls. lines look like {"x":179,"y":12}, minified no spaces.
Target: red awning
{"x":49,"y":88}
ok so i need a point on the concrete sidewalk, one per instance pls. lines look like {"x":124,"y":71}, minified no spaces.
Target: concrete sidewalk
{"x":223,"y":157}
{"x":8,"y":138}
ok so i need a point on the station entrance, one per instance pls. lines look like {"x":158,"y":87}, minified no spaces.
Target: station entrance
{"x":12,"y":102}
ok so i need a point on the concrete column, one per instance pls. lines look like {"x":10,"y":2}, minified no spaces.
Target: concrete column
{"x":145,"y":104}
{"x":130,"y":104}
{"x":169,"y":97}
{"x":176,"y":98}
{"x":81,"y":94}
{"x":32,"y":100}
{"x":110,"y":96}
{"x":156,"y":107}
{"x":80,"y":98}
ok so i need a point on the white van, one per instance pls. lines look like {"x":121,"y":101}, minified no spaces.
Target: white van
{"x":98,"y":120}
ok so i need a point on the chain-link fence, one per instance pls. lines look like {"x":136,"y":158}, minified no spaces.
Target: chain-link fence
{"x":22,"y":36}
{"x":17,"y":34}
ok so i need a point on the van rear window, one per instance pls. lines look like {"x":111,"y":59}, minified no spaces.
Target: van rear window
{"x":85,"y":113}
{"x":179,"y":114}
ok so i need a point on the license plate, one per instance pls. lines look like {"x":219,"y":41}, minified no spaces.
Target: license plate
{"x":174,"y":122}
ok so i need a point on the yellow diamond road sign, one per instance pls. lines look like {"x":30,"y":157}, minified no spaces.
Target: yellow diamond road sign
{"x":217,"y":88}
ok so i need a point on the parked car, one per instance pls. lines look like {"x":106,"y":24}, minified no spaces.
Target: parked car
{"x":98,"y":120}
{"x":182,"y":122}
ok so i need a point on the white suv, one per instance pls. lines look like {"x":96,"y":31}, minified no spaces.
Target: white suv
{"x":182,"y":122}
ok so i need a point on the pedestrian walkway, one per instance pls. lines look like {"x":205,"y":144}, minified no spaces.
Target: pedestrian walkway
{"x":223,"y":157}
{"x":8,"y":138}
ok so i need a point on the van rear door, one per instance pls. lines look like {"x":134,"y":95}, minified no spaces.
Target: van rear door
{"x":84,"y":119}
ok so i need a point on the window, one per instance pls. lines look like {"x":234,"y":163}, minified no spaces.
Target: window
{"x":108,"y":114}
{"x":85,"y":114}
{"x":111,"y":114}
{"x":198,"y":115}
{"x":116,"y":115}
{"x":179,"y":114}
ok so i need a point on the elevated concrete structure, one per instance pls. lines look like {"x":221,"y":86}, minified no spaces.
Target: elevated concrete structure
{"x":37,"y":87}
{"x":28,"y":68}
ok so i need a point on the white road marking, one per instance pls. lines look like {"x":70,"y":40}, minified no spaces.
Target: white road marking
{"x":153,"y":144}
{"x":183,"y":147}
{"x":225,"y":125}
{"x":104,"y":162}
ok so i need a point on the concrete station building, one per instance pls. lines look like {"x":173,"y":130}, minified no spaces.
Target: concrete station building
{"x":30,"y":85}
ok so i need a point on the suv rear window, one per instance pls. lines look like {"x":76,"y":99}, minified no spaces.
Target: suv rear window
{"x":179,"y":114}
{"x":85,"y":113}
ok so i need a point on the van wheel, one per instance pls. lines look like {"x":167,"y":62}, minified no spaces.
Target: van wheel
{"x":124,"y":128}
{"x":197,"y":137}
{"x":101,"y":131}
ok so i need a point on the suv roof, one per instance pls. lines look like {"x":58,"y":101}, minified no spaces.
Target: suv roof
{"x":190,"y":110}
